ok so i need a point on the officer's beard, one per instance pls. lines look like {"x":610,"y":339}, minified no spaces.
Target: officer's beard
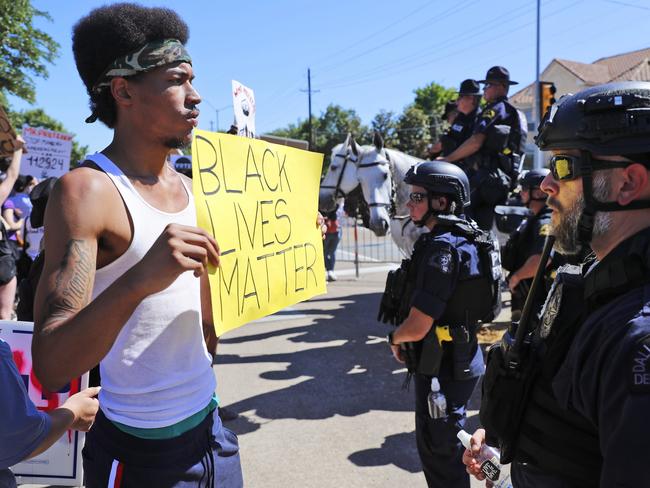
{"x":566,"y":230}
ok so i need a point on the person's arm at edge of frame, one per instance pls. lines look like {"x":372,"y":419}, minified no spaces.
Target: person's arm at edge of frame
{"x":469,"y":147}
{"x":77,"y":413}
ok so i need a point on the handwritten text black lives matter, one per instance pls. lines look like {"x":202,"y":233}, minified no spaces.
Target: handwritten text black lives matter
{"x":245,"y":280}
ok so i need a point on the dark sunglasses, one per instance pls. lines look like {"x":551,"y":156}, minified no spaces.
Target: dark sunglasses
{"x":417,"y":197}
{"x":568,"y":167}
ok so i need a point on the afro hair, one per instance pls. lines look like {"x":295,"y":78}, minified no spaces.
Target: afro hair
{"x":109,"y":32}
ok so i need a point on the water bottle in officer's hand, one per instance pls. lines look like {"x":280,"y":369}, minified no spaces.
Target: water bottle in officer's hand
{"x":488,"y":458}
{"x":437,"y":401}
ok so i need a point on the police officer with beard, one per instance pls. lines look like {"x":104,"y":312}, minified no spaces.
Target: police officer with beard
{"x":523,"y":251}
{"x":495,"y":148}
{"x":450,"y":285}
{"x":585,"y":419}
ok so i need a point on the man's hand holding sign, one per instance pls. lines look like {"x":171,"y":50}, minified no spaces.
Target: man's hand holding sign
{"x":259,"y":200}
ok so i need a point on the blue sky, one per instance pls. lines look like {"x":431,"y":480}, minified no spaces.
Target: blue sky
{"x":364,"y":54}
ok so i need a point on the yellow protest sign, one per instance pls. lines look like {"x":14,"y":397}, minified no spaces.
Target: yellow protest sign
{"x":259,"y":200}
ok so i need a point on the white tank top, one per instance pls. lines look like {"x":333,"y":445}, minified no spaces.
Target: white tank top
{"x":158,"y":371}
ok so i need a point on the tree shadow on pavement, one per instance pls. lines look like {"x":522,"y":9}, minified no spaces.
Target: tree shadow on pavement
{"x":346,"y":379}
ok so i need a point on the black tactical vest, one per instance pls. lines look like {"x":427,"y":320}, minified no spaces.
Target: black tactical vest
{"x":476,"y":298}
{"x":560,"y":441}
{"x":556,"y":440}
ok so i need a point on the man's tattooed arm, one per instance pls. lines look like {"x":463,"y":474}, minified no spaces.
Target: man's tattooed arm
{"x":73,"y":283}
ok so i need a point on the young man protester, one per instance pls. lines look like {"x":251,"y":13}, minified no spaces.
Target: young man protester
{"x":125,"y":276}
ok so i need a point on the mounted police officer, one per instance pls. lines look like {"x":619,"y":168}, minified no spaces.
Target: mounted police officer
{"x":495,"y":149}
{"x":462,"y":126}
{"x":437,"y":300}
{"x":523,"y":251}
{"x":448,"y":115}
{"x":584,"y":421}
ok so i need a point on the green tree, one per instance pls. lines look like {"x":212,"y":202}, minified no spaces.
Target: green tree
{"x":24,"y":49}
{"x":433,"y":97}
{"x":333,"y":126}
{"x":330,"y":129}
{"x":299,"y":130}
{"x":413,"y":131}
{"x":38,"y":118}
{"x":385,"y":122}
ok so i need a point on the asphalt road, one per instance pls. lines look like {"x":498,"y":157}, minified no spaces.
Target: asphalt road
{"x":319,"y":395}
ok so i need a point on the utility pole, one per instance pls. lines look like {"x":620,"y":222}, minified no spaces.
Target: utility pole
{"x":309,"y":124}
{"x":311,"y":130}
{"x":538,"y":99}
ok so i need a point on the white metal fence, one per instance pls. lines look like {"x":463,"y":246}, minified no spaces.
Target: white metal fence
{"x":360,"y":243}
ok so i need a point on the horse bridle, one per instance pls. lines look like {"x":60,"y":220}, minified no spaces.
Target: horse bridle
{"x":338,"y":193}
{"x":390,"y":206}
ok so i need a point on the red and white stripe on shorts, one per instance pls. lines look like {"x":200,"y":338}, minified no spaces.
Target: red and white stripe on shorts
{"x":115,"y":478}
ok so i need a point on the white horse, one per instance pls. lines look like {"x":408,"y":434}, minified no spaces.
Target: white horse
{"x":380,"y":172}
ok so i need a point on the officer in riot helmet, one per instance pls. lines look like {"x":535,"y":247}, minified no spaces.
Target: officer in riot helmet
{"x":461,"y":126}
{"x":584,"y":420}
{"x":523,"y":251}
{"x":437,"y":299}
{"x":495,"y":149}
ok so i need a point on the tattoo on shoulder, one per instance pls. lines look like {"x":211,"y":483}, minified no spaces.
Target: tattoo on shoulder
{"x":73,"y":285}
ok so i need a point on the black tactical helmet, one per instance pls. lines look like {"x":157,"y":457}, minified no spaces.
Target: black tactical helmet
{"x":611,"y":119}
{"x":440,"y":177}
{"x":604,"y":120}
{"x":533,"y":178}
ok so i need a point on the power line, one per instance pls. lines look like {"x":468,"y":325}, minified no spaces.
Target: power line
{"x":485,"y":27}
{"x":427,"y":51}
{"x":376,"y":33}
{"x":426,"y":23}
{"x":628,"y":4}
{"x":419,"y":65}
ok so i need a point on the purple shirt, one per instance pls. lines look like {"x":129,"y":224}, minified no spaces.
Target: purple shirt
{"x":8,"y":204}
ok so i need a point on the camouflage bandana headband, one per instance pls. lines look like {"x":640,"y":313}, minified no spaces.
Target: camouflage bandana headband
{"x":148,"y":57}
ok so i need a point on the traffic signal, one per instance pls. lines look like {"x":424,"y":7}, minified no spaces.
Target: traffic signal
{"x":546,"y":97}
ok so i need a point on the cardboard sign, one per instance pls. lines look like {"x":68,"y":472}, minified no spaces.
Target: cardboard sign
{"x":61,"y":464}
{"x":243,"y":103}
{"x":8,"y":142}
{"x":48,"y":153}
{"x":259,"y":200}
